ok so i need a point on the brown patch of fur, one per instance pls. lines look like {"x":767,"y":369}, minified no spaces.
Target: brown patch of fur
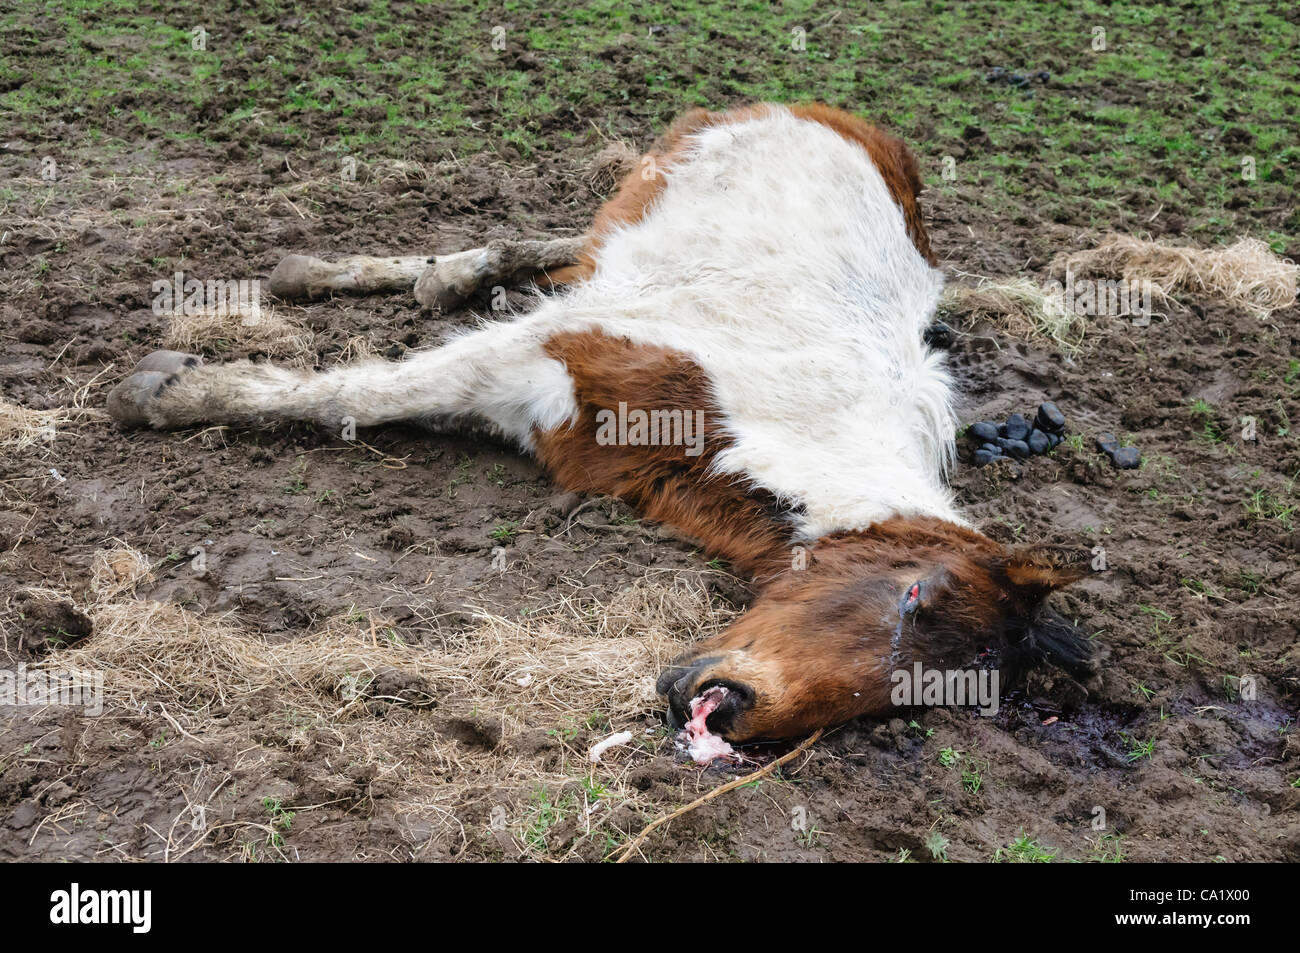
{"x":566,"y":275}
{"x":662,"y":482}
{"x":1044,"y":568}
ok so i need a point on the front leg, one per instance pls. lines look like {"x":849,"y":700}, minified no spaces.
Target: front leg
{"x":302,"y":277}
{"x":439,"y":281}
{"x":451,"y":279}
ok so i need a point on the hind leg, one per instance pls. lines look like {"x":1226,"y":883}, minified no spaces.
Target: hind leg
{"x":500,"y":375}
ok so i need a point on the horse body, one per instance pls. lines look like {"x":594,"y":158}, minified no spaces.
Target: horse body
{"x":766,"y":273}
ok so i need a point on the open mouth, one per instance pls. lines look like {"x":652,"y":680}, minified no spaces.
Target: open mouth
{"x":703,"y":745}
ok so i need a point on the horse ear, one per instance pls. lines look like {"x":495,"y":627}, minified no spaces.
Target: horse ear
{"x":1039,"y":570}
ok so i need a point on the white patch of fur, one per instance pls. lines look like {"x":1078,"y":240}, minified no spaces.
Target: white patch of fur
{"x":777,"y":259}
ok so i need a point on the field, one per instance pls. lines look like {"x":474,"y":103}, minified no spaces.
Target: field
{"x":310,"y":648}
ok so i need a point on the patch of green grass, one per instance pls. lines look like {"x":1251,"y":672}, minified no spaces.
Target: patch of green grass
{"x":1024,"y":850}
{"x":1264,"y":505}
{"x":281,"y":820}
{"x":913,"y":725}
{"x":1138,"y":749}
{"x":937,"y":845}
{"x":545,"y":811}
{"x":1113,"y":128}
{"x":1108,"y":849}
{"x":1210,"y":431}
{"x":1160,"y":615}
{"x":811,"y":838}
{"x":505,"y":532}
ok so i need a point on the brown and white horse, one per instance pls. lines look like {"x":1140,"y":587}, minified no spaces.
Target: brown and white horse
{"x":737,"y":351}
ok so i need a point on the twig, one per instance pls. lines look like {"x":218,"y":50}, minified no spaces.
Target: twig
{"x":723,"y":789}
{"x":176,"y":724}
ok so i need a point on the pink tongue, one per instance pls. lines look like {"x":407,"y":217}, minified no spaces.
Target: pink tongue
{"x":702,"y":744}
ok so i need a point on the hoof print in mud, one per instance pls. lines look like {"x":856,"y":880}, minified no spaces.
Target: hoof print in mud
{"x":392,"y":687}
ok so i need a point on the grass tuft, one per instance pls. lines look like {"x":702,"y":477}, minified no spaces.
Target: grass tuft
{"x":1247,"y":273}
{"x":221,"y":331}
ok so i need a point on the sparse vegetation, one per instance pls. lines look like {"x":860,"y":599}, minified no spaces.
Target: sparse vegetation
{"x":1024,"y":850}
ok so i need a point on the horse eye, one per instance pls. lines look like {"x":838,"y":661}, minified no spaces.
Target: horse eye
{"x":911,"y":599}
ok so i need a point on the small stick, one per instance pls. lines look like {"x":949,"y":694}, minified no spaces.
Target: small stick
{"x":723,"y":789}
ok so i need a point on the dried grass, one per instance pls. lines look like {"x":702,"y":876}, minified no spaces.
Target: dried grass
{"x":257,"y":330}
{"x":1019,"y":307}
{"x":566,"y":664}
{"x":609,"y":167}
{"x":118,"y":570}
{"x":553,"y":672}
{"x":23,"y":427}
{"x":355,"y":349}
{"x":575,"y":661}
{"x":1246,"y":273}
{"x":155,"y":652}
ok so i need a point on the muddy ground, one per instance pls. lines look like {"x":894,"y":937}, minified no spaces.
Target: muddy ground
{"x":1201,"y":586}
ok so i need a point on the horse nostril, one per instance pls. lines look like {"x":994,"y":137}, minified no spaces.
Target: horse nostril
{"x":676,"y":720}
{"x":679,"y":698}
{"x":679,"y":669}
{"x":668,"y":677}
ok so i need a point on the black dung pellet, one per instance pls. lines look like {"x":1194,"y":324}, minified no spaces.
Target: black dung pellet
{"x":1014,"y":448}
{"x":1049,"y":418}
{"x":1126,"y":458}
{"x":939,"y":335}
{"x":1017,"y":427}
